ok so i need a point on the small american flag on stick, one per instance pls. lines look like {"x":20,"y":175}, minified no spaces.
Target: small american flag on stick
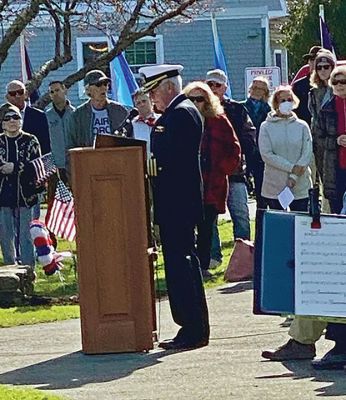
{"x":44,"y":167}
{"x":61,"y":218}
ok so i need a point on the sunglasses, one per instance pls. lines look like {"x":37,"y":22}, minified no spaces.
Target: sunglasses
{"x":102,"y":83}
{"x":214,"y":84}
{"x":341,"y":81}
{"x":197,"y":99}
{"x":15,"y":117}
{"x":18,"y":92}
{"x":325,"y":67}
{"x":283,"y":100}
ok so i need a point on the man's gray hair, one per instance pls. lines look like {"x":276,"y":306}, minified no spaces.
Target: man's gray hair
{"x":16,"y":82}
{"x":177,"y":82}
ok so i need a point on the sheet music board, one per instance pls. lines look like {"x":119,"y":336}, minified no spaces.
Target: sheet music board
{"x":286,"y":273}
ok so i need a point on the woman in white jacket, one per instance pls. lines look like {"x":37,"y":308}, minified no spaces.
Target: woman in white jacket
{"x":285,"y":145}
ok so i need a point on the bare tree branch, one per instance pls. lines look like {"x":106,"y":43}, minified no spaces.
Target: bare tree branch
{"x":3,"y":5}
{"x":17,"y":27}
{"x":128,"y":35}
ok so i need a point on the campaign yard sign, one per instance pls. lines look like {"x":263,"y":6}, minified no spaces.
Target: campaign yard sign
{"x":273,"y":75}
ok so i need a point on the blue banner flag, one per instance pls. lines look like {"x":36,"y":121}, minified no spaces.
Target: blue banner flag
{"x":326,"y":37}
{"x":219,"y":55}
{"x":123,"y":81}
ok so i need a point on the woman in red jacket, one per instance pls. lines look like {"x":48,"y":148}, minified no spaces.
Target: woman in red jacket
{"x":220,"y":155}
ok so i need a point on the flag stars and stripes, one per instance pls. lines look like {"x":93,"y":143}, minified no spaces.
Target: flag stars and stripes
{"x":61,"y":220}
{"x":44,"y":167}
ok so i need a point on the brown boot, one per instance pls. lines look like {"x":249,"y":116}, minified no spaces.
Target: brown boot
{"x":292,"y":350}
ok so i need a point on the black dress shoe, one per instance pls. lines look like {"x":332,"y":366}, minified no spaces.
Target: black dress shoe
{"x":182,"y":345}
{"x":331,"y":361}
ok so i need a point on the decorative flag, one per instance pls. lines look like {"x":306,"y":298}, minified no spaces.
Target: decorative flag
{"x":27,"y":69}
{"x":61,"y":217}
{"x":123,"y":81}
{"x":219,"y":55}
{"x":44,"y":167}
{"x":46,"y":255}
{"x":326,"y":37}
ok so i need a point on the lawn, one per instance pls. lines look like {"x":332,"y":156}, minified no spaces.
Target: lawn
{"x":62,"y":286}
{"x":10,"y":393}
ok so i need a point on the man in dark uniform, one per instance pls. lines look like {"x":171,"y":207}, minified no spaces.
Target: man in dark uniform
{"x":301,"y":87}
{"x":177,"y":193}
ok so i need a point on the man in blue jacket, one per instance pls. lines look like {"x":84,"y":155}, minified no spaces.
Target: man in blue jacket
{"x":34,"y":120}
{"x":177,"y":193}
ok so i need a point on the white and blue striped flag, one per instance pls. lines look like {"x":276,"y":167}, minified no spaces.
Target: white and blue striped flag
{"x":219,"y":55}
{"x":123,"y":81}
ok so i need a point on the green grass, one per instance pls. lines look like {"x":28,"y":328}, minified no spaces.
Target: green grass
{"x":226,"y":235}
{"x":64,"y":285}
{"x":25,"y":315}
{"x":9,"y":393}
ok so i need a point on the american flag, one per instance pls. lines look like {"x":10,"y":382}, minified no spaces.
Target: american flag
{"x":44,"y":167}
{"x":61,"y":218}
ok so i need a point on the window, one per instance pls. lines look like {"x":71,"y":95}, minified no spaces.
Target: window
{"x":144,"y":51}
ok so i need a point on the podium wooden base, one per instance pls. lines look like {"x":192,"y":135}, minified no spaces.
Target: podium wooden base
{"x":115,"y":278}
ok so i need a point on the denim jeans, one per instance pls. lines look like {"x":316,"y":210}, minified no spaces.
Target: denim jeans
{"x":215,"y":251}
{"x":238,"y":208}
{"x":16,"y":223}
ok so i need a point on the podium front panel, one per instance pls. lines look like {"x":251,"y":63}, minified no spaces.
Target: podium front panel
{"x":113,"y":267}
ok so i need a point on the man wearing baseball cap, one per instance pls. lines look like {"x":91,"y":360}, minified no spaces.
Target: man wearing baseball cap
{"x":177,"y":194}
{"x":97,"y":116}
{"x":301,"y":87}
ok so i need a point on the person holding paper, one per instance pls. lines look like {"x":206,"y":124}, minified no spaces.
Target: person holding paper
{"x":285,"y":145}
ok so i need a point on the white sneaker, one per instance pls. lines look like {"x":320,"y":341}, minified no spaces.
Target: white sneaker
{"x":214,"y":263}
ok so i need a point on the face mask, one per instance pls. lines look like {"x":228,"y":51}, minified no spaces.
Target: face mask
{"x":286,"y":107}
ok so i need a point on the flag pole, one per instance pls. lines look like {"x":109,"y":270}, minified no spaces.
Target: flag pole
{"x":321,"y":15}
{"x":22,"y":58}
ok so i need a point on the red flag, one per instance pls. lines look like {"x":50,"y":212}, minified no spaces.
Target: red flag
{"x":61,"y":217}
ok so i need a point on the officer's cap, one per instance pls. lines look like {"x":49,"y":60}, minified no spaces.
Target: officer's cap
{"x":155,"y":74}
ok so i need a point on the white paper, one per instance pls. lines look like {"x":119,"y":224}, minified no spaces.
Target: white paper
{"x":285,"y":197}
{"x":320,"y":267}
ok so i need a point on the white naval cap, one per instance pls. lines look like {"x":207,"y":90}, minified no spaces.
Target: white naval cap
{"x":153,"y":75}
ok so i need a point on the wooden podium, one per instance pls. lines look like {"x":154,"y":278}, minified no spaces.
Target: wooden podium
{"x":114,"y":271}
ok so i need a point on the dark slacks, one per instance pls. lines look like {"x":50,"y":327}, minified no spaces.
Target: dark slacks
{"x":184,"y":281}
{"x":296,"y":205}
{"x":205,"y":234}
{"x":258,"y":173}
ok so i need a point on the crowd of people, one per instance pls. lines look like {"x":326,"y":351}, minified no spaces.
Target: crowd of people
{"x":206,"y":147}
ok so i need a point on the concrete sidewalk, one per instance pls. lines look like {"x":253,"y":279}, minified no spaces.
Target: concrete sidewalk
{"x":48,"y":357}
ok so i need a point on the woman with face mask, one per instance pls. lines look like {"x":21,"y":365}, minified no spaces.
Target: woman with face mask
{"x":285,"y":145}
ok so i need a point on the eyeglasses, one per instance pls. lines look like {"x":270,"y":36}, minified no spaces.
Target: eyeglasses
{"x":341,"y":81}
{"x":215,"y":84}
{"x":18,"y":92}
{"x":16,"y":117}
{"x":197,"y":99}
{"x":100,"y":84}
{"x":320,"y":67}
{"x":283,"y":100}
